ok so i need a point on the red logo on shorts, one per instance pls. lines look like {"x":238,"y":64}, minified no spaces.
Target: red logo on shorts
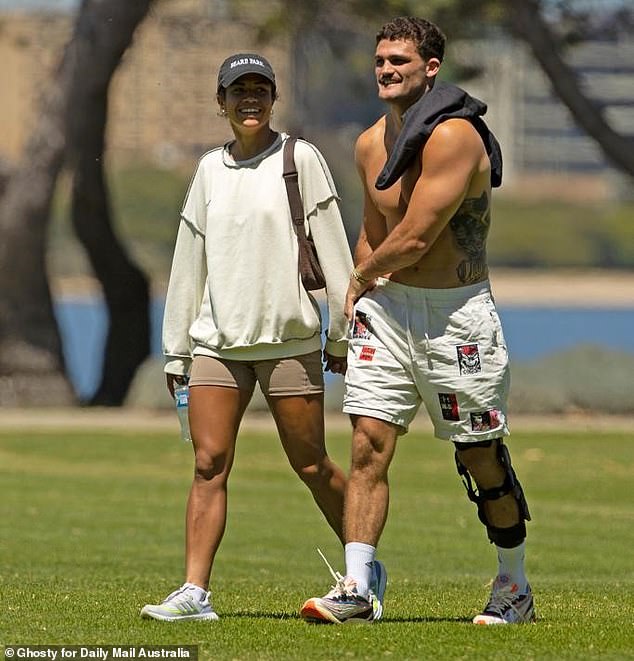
{"x":468,"y":358}
{"x":449,"y":405}
{"x":367,"y":353}
{"x":362,"y":328}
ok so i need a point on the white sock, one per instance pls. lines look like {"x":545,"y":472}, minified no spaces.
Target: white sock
{"x":359,"y":559}
{"x":511,"y":563}
{"x":200,"y":593}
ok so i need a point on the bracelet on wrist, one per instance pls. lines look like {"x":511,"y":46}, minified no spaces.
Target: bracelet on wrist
{"x":359,"y":278}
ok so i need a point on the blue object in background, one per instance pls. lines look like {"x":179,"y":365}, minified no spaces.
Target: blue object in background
{"x":83,"y":324}
{"x":531,"y":332}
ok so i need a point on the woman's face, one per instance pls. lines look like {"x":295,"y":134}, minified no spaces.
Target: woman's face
{"x":248,"y":102}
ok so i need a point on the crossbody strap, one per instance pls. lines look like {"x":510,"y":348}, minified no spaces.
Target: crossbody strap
{"x":310,"y":271}
{"x":291,"y":179}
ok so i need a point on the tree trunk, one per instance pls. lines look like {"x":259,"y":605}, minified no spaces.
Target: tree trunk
{"x":31,"y":359}
{"x":126,"y":289}
{"x":526,"y":22}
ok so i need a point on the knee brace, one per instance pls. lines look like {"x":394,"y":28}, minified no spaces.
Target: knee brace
{"x":505,"y":537}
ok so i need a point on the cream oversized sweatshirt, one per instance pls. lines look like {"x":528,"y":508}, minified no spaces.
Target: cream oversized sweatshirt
{"x":235,"y":290}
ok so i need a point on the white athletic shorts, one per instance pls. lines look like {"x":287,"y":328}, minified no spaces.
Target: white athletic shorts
{"x":442,"y":347}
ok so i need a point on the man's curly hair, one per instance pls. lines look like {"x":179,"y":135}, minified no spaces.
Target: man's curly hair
{"x":427,"y":37}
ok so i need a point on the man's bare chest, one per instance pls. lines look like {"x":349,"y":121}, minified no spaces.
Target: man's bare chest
{"x":392,"y":202}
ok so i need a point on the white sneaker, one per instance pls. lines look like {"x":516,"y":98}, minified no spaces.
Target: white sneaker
{"x":506,"y":605}
{"x":341,"y":605}
{"x":182,"y":605}
{"x":377,"y":589}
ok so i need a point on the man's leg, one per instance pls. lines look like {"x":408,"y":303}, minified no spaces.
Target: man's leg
{"x":502,"y":509}
{"x":367,"y":493}
{"x":367,"y":500}
{"x":382,"y":400}
{"x":300,"y":424}
{"x":367,"y":497}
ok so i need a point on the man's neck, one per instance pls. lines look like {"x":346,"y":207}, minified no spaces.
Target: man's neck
{"x":399,"y":106}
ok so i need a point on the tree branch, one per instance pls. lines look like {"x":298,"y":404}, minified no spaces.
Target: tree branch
{"x":526,"y":22}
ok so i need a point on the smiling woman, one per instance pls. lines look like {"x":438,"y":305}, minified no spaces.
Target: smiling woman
{"x":237,"y":314}
{"x":246,"y":94}
{"x":247,"y":104}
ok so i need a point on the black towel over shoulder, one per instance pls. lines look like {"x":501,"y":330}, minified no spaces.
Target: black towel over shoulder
{"x":444,"y":101}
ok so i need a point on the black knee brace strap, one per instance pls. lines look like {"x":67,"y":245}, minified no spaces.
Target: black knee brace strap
{"x":505,"y":537}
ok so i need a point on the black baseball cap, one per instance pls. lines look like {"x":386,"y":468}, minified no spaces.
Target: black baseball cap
{"x":242,"y":63}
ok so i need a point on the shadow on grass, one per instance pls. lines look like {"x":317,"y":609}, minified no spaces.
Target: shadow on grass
{"x":257,"y":615}
{"x":428,"y":620}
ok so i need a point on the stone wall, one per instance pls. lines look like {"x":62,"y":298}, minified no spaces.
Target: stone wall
{"x":163,"y":97}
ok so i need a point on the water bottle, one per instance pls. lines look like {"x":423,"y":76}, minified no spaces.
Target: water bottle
{"x":181,"y":396}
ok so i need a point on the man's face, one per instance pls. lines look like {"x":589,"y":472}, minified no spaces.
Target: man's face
{"x":402,"y":75}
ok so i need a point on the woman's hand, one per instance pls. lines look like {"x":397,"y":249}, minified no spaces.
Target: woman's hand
{"x":335,"y":364}
{"x":174,"y":380}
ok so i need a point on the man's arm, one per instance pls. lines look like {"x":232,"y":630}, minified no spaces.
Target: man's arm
{"x":374,"y":228}
{"x":451,"y":157}
{"x":362,"y":250}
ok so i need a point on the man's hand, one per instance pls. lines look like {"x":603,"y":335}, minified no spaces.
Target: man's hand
{"x":173,"y":380}
{"x":335,"y":364}
{"x":356,"y":289}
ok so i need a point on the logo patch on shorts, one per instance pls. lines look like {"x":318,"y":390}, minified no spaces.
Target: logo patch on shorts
{"x":469,"y":358}
{"x":449,"y":405}
{"x":485,"y":420}
{"x":362,"y":328}
{"x":367,"y":353}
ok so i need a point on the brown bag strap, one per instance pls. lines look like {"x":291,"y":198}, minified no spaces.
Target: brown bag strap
{"x":291,"y":179}
{"x":310,"y":271}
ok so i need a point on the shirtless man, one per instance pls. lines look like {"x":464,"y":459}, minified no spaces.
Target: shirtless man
{"x":425,"y":329}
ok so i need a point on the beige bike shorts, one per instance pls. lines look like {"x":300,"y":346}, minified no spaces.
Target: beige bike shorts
{"x":279,"y":377}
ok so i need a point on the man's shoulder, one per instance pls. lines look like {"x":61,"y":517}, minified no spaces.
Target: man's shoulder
{"x":458,"y":133}
{"x":371,"y":138}
{"x":377,"y":129}
{"x":455,"y":127}
{"x":455,"y":146}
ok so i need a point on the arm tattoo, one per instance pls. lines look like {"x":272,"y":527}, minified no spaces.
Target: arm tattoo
{"x":470,"y":227}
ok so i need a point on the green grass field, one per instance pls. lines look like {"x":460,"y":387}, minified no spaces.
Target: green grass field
{"x":91,"y":528}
